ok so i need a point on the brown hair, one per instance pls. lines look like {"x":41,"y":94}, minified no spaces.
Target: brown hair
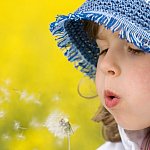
{"x":109,"y":129}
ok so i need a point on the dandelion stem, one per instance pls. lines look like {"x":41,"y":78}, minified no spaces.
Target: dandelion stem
{"x":68,"y":141}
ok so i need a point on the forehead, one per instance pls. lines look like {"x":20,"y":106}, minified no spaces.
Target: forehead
{"x":107,"y":35}
{"x":104,"y":33}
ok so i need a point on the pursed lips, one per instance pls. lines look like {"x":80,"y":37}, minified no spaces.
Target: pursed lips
{"x":111,"y":98}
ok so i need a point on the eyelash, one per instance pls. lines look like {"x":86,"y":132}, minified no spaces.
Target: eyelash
{"x":131,"y":50}
{"x":135,"y":51}
{"x":103,"y":51}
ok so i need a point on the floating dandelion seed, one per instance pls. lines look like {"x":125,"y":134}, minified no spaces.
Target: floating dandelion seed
{"x":56,"y":98}
{"x":59,"y":142}
{"x":7,"y":81}
{"x":1,"y":100}
{"x":5,"y":136}
{"x":59,"y":125}
{"x":5,"y":91}
{"x":36,"y":101}
{"x":6,"y":94}
{"x":35,"y":123}
{"x":30,"y":98}
{"x":2,"y":114}
{"x":20,"y":136}
{"x":23,"y":95}
{"x":17,"y":126}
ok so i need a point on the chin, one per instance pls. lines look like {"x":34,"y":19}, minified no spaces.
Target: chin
{"x":129,"y":124}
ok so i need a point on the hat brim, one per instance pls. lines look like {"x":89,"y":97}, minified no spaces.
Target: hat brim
{"x":127,"y":30}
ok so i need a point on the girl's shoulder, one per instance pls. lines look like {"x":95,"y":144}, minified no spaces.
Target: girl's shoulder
{"x":129,"y":140}
{"x":111,"y":146}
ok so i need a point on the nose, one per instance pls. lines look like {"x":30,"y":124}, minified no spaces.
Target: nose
{"x":109,"y":64}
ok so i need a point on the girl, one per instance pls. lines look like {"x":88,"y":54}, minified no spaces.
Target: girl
{"x":109,"y":41}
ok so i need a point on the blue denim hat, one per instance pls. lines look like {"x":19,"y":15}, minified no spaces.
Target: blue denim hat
{"x":130,"y":17}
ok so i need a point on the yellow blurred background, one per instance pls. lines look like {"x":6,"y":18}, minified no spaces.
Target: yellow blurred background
{"x":36,"y":79}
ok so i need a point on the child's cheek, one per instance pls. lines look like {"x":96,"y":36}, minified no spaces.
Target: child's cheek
{"x":140,"y":79}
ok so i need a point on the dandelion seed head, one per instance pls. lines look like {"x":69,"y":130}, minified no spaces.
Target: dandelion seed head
{"x":53,"y":124}
{"x":58,"y":124}
{"x":64,"y":122}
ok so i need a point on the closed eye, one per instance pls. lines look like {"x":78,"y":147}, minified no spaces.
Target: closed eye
{"x":103,"y":51}
{"x":135,"y":51}
{"x":131,"y":50}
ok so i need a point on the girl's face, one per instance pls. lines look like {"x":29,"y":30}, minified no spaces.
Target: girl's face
{"x":125,"y":70}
